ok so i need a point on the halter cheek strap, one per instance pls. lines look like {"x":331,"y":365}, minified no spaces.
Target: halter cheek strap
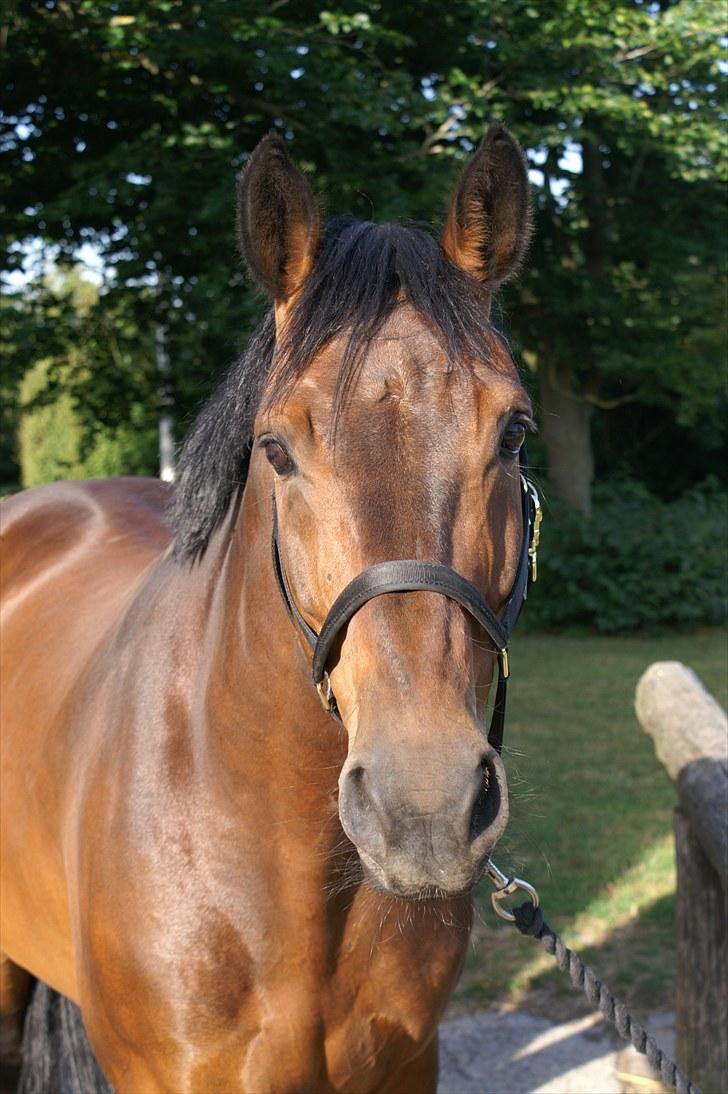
{"x":410,"y":575}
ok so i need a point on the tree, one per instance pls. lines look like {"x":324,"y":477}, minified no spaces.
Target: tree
{"x":127,"y":130}
{"x":55,"y":440}
{"x":124,"y":126}
{"x":618,"y":106}
{"x":52,"y":444}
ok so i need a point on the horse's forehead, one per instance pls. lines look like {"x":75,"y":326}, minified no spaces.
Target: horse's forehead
{"x":405,"y":367}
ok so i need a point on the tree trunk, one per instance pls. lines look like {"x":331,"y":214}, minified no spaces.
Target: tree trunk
{"x":566,"y":417}
{"x":166,"y":406}
{"x":565,"y":429}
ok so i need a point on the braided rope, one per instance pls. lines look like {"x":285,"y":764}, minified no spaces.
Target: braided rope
{"x":529,"y":920}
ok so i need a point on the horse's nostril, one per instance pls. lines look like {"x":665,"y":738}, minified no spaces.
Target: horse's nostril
{"x":488,"y":802}
{"x":364,"y":820}
{"x":356,"y":791}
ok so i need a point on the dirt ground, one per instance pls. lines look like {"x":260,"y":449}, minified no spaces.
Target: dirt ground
{"x":514,"y":1052}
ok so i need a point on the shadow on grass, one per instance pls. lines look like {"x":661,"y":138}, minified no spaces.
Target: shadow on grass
{"x":626,"y":962}
{"x":634,"y":962}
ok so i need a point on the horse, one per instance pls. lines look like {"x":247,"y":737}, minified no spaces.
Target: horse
{"x":246,"y":879}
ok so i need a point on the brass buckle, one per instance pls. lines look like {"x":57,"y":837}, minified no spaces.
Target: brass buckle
{"x":325,"y":693}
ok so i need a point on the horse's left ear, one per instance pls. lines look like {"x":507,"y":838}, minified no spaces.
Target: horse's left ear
{"x":488,"y":225}
{"x":277,"y":220}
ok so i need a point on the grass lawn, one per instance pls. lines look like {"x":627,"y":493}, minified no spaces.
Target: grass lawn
{"x":591,"y":822}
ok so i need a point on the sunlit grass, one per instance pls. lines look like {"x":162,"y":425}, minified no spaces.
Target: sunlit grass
{"x":591,"y":823}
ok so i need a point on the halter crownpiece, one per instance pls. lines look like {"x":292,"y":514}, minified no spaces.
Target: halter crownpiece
{"x":410,"y":575}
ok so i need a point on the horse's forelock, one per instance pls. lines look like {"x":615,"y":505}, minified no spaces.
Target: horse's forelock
{"x":362,"y":272}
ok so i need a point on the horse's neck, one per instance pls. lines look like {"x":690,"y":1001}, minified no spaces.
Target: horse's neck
{"x":263,"y":803}
{"x":261,"y":709}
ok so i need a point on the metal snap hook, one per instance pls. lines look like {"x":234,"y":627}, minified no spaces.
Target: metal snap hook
{"x":507,"y":886}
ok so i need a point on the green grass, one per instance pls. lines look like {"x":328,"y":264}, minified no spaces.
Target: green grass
{"x":591,"y":820}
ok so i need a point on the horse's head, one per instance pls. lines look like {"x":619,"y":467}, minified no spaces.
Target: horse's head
{"x":392,"y":422}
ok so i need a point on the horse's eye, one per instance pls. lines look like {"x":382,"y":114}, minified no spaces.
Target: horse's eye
{"x":277,"y":457}
{"x":513,"y":439}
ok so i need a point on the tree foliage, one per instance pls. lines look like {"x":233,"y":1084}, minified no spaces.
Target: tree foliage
{"x":125,"y":124}
{"x":52,"y":443}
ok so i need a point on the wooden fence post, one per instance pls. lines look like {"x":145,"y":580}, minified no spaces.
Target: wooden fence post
{"x":690,"y":731}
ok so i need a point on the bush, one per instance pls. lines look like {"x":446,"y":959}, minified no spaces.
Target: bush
{"x":52,"y":445}
{"x":639,"y":562}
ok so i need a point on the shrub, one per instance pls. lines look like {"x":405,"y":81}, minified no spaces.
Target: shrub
{"x":638,"y":562}
{"x":52,"y":444}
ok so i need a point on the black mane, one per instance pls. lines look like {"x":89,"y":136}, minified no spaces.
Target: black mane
{"x":363,"y":271}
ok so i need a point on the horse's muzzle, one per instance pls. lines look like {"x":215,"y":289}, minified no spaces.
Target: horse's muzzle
{"x":427,"y":829}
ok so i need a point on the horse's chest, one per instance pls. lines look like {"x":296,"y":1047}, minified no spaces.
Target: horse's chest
{"x":365,"y":1043}
{"x":387,"y":996}
{"x":352,"y":1025}
{"x":350,"y":1034}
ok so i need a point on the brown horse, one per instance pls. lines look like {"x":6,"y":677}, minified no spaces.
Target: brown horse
{"x":194,"y":852}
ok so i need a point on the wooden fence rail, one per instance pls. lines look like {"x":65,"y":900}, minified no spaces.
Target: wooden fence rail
{"x":690,"y":731}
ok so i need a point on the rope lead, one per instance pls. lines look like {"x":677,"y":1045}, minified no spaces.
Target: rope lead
{"x":529,"y":920}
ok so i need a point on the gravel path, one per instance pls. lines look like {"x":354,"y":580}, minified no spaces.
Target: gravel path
{"x":512,"y":1052}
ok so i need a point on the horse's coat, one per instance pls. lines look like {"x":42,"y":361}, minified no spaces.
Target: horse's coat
{"x":174,"y":857}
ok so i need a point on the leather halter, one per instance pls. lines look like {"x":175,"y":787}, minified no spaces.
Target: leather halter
{"x":409,"y":575}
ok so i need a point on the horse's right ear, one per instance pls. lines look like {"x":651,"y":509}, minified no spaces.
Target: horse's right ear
{"x":277,"y":220}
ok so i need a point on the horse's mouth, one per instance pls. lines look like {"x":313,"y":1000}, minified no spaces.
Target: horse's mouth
{"x":457,"y":883}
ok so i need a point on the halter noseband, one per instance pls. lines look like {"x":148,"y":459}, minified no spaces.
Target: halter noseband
{"x":410,"y":575}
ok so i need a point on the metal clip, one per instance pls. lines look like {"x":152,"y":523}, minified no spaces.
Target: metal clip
{"x":535,"y":529}
{"x":504,"y":666}
{"x":506,"y":886}
{"x":325,"y":693}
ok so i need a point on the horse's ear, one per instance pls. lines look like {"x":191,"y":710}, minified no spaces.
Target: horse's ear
{"x":277,"y":220}
{"x":488,"y":225}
